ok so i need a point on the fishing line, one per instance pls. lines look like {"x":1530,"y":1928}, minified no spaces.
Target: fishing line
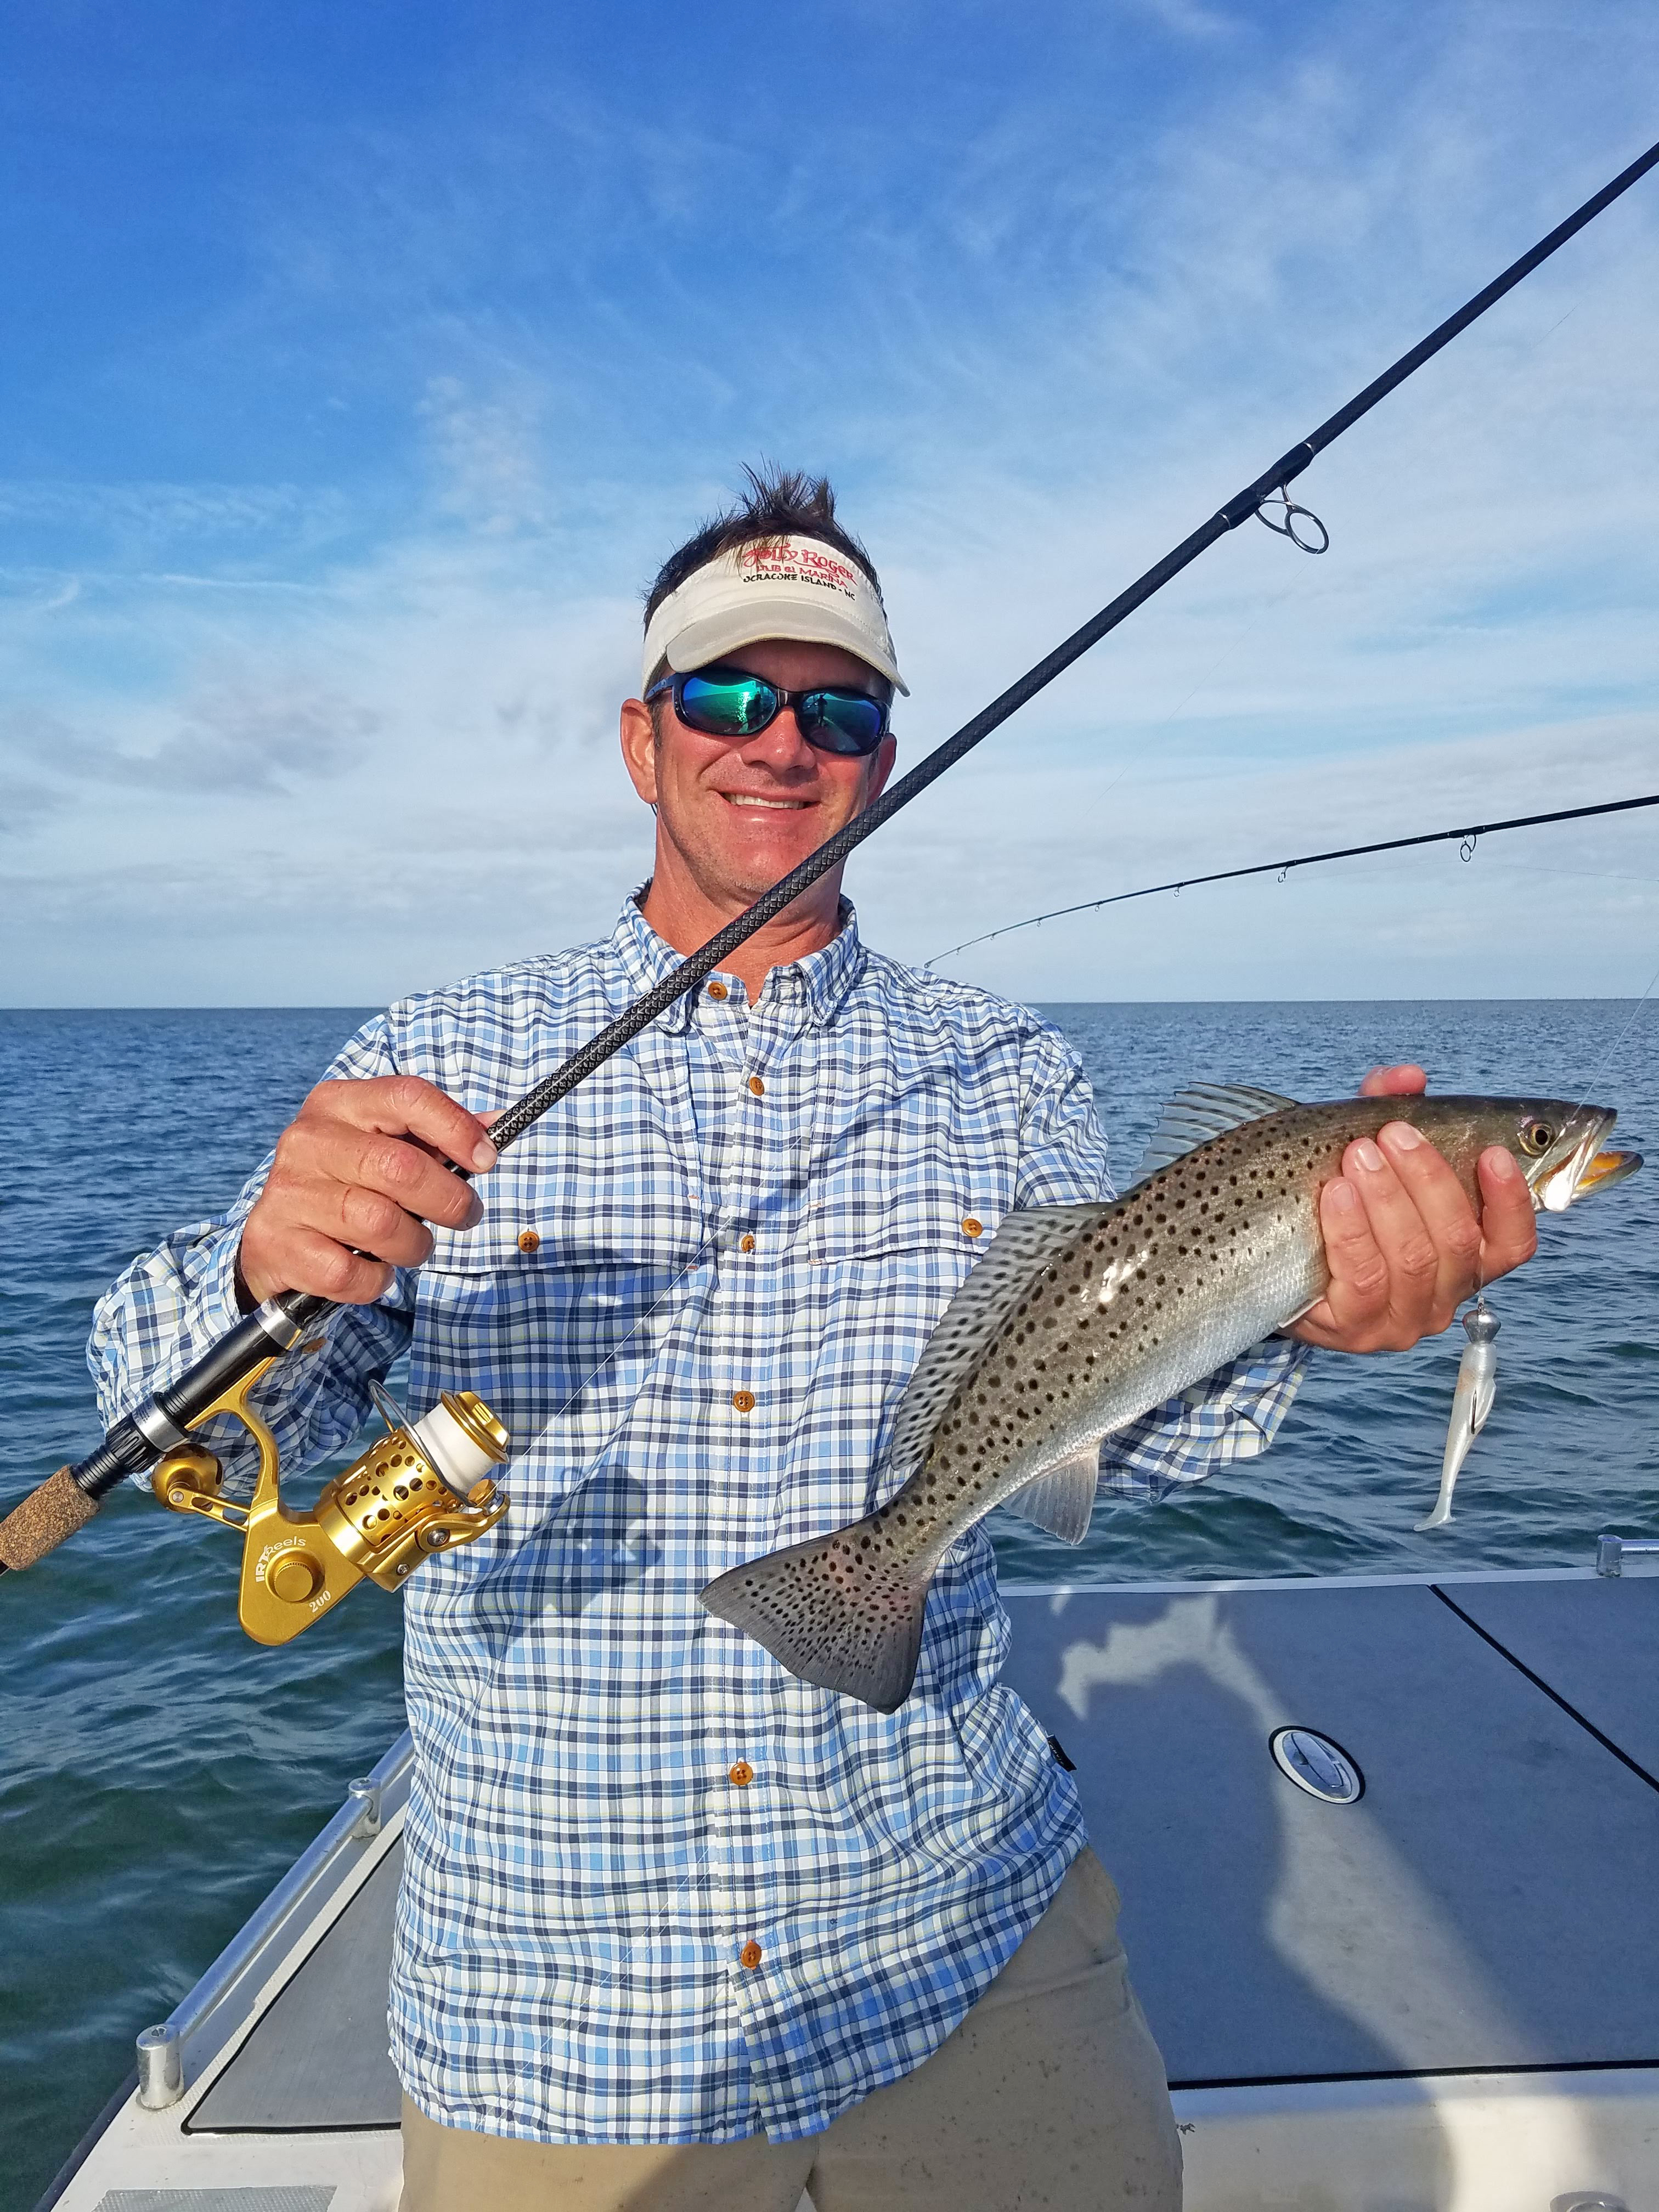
{"x":627,"y":1338}
{"x":139,"y":1440}
{"x":1467,"y":833}
{"x":1601,"y":1065}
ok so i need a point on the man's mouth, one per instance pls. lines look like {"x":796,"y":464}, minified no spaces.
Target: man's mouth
{"x":746,"y":798}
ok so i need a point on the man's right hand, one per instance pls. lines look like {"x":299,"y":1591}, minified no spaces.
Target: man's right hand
{"x":357,"y":1174}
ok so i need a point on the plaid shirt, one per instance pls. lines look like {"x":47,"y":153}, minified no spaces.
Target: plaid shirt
{"x":656,"y":1889}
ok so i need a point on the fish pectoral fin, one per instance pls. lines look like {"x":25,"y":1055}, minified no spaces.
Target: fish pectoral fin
{"x":1200,"y":1112}
{"x":1062,"y":1500}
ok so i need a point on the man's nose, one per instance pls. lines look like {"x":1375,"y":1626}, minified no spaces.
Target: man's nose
{"x":779,"y":745}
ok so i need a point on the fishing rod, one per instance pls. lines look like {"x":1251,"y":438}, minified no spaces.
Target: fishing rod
{"x":1468,"y":835}
{"x":423,"y":1487}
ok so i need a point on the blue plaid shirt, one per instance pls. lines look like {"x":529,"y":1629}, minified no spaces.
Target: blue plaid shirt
{"x":696,"y":1296}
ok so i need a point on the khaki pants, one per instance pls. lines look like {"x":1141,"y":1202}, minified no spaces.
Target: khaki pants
{"x":1051,"y":2093}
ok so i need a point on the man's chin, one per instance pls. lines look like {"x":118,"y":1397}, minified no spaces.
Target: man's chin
{"x":764,"y":861}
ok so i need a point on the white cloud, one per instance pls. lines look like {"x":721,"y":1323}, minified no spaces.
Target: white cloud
{"x":380,"y":765}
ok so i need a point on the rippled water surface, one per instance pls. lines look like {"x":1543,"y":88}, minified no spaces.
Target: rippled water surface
{"x":160,"y":1771}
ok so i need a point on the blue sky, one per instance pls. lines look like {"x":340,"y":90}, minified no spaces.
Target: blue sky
{"x":361,"y":364}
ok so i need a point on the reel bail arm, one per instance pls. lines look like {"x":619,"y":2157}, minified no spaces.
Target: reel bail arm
{"x":416,"y":1490}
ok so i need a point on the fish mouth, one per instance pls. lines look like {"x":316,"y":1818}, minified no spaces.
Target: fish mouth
{"x":1606,"y":1168}
{"x":1576,"y":1163}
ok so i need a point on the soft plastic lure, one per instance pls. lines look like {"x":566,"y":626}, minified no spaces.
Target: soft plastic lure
{"x":1477,"y":1386}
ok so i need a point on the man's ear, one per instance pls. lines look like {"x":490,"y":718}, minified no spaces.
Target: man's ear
{"x":881,"y":767}
{"x":639,"y":748}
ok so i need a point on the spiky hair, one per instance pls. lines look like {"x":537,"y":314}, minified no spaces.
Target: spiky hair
{"x":779,"y":503}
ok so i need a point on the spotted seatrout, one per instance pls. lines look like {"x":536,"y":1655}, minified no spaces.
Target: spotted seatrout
{"x":1080,"y":1319}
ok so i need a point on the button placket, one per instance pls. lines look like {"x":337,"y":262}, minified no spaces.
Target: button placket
{"x":756,"y":1131}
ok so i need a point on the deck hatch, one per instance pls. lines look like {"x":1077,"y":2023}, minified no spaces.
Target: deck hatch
{"x":1316,"y":1764}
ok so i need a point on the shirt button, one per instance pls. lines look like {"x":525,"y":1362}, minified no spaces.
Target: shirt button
{"x":717,"y":991}
{"x":750,"y":1954}
{"x":972,"y":1228}
{"x":744,"y":1244}
{"x":743,"y":1774}
{"x":758,"y":1086}
{"x":744,"y":1400}
{"x":529,"y":1241}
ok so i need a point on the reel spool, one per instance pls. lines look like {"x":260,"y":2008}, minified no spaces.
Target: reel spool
{"x":414,"y":1490}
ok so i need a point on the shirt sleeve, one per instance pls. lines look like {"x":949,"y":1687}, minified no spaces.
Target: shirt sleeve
{"x":1231,"y":1414}
{"x":172,"y":1304}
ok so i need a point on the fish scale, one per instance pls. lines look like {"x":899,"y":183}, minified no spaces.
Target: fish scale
{"x":1081,"y":1319}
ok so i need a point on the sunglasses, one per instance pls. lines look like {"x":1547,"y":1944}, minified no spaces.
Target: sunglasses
{"x":729,"y":703}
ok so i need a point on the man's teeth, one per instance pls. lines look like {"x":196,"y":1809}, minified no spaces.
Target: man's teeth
{"x":789,"y":804}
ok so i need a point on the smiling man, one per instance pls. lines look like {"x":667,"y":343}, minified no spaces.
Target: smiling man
{"x":676,"y":1928}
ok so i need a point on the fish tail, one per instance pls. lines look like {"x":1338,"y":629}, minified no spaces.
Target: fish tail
{"x":843,"y":1611}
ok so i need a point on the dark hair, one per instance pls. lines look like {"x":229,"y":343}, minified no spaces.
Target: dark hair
{"x":779,"y":503}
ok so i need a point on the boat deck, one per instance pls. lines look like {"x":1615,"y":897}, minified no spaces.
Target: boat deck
{"x":1438,"y":1995}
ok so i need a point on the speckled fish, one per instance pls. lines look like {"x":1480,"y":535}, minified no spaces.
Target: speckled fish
{"x":1080,"y":1319}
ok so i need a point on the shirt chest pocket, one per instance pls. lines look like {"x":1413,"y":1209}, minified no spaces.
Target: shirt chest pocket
{"x":898,"y":1177}
{"x":559,"y":1326}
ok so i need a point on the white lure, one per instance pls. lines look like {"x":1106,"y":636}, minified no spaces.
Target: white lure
{"x":1477,"y":1386}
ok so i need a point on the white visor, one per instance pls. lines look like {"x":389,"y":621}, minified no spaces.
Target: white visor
{"x":793,"y":587}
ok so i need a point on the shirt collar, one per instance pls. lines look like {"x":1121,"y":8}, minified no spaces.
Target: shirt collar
{"x":819,"y":982}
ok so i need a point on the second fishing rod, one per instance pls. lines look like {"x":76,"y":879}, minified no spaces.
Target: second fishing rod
{"x":160,"y":1427}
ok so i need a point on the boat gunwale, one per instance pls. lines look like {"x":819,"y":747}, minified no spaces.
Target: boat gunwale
{"x":271,"y":1946}
{"x":1223,"y":1587}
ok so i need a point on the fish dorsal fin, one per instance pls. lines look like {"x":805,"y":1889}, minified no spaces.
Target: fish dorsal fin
{"x":1022,"y":1247}
{"x":1204,"y":1110}
{"x":1062,"y":1500}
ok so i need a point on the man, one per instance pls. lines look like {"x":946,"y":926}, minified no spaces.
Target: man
{"x":678,"y":1928}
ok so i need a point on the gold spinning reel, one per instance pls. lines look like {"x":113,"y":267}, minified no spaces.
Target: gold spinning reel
{"x":416,"y":1490}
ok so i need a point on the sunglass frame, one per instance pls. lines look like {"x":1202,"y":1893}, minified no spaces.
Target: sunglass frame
{"x":783,"y":699}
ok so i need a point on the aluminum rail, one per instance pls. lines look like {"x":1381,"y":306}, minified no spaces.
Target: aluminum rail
{"x":267,"y":1940}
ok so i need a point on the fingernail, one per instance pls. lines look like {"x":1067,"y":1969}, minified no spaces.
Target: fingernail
{"x":1502,"y":1164}
{"x":475,"y":1214}
{"x":485,"y":1156}
{"x":1366,"y":1155}
{"x":1402,"y":1134}
{"x":1342,"y":1195}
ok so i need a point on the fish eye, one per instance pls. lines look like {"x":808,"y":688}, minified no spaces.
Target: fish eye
{"x":1537,"y":1137}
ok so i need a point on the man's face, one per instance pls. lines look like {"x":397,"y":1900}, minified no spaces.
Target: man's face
{"x":740,"y":812}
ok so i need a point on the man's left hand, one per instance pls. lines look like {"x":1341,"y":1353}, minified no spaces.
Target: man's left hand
{"x":1404,"y":1246}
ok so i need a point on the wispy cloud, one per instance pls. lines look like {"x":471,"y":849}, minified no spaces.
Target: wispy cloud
{"x":379,"y":712}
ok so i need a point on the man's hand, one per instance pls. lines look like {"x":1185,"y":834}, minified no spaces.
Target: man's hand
{"x":1404,"y":1246}
{"x":358,"y":1172}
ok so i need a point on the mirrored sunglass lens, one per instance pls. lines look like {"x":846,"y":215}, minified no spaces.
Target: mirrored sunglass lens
{"x":728,"y":707}
{"x":842,"y":720}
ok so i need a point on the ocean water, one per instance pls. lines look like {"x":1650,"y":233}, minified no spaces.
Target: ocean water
{"x":158,"y":1772}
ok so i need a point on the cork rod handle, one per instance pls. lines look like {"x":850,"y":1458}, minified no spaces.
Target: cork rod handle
{"x":40,"y":1522}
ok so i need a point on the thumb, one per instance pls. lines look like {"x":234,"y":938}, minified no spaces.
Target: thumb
{"x":1404,"y":1080}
